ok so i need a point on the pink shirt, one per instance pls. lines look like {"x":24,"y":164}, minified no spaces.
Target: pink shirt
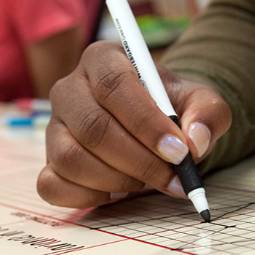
{"x":23,"y":22}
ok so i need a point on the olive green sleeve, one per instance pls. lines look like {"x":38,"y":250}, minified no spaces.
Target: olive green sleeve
{"x":219,"y":50}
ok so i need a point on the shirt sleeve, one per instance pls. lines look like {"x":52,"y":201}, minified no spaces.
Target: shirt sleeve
{"x":35,"y":20}
{"x":219,"y":51}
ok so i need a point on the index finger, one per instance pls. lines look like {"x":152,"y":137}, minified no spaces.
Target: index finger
{"x":116,"y":87}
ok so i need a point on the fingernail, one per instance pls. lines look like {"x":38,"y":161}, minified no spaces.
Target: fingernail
{"x":175,"y":188}
{"x":118,"y":195}
{"x":173,"y":149}
{"x":200,"y":135}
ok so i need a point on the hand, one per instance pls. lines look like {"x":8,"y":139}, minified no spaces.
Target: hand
{"x":107,"y":137}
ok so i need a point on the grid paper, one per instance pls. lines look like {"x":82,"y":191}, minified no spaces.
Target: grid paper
{"x":154,"y":220}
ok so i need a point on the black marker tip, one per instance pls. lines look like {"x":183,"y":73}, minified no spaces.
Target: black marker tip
{"x":206,"y":215}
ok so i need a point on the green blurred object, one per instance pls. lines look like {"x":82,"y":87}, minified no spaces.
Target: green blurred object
{"x":160,"y":32}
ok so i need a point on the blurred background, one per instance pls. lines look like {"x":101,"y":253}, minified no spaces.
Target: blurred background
{"x":161,"y":21}
{"x":41,"y":41}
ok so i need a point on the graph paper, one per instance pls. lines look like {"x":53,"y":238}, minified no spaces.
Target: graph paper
{"x":152,"y":224}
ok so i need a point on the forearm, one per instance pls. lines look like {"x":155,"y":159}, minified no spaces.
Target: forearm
{"x":219,"y":50}
{"x":54,"y":58}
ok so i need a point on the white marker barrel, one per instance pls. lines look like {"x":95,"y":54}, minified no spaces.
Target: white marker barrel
{"x":138,"y":53}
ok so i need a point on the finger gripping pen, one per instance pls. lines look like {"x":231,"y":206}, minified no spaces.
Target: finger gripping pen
{"x":139,"y":55}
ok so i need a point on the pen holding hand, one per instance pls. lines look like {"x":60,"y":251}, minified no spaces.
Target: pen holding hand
{"x":139,"y":56}
{"x":107,"y":137}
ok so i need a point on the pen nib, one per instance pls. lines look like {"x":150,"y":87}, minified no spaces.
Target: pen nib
{"x":206,"y":215}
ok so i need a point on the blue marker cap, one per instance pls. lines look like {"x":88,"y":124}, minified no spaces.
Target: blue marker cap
{"x":20,"y":122}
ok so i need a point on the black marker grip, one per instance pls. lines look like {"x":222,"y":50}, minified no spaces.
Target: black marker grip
{"x":187,"y":170}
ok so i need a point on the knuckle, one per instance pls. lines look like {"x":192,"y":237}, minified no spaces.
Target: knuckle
{"x":94,"y":47}
{"x":56,"y":89}
{"x":93,"y":127}
{"x":107,"y":83}
{"x":99,"y":48}
{"x":49,"y":131}
{"x":95,"y":51}
{"x":66,"y":156}
{"x":60,"y":90}
{"x":146,"y":116}
{"x":45,"y":184}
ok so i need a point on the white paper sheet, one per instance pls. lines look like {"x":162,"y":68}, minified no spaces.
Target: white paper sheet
{"x":152,"y":225}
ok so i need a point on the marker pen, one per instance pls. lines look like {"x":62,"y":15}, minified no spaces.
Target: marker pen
{"x":139,"y":55}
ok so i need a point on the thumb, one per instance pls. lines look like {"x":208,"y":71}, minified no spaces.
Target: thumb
{"x":205,"y":117}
